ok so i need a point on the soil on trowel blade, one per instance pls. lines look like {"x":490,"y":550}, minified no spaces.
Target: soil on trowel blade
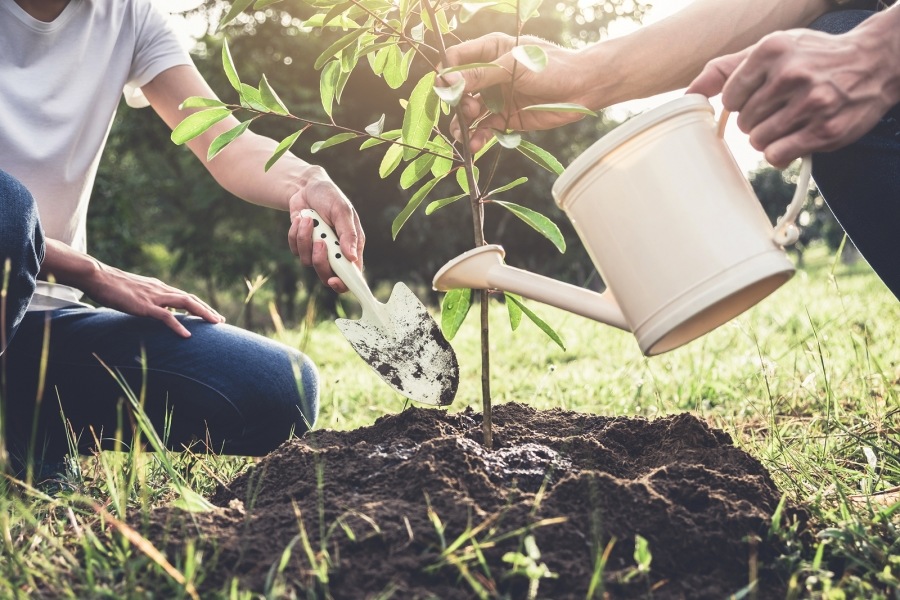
{"x":415,"y":507}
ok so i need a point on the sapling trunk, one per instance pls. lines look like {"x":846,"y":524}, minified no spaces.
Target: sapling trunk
{"x":478,"y":231}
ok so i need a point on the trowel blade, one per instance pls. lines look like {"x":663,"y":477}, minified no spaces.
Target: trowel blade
{"x":409,"y":352}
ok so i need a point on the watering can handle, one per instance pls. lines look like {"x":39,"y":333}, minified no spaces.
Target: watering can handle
{"x":786,"y":231}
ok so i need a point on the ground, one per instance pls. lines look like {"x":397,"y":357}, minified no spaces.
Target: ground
{"x":415,"y":507}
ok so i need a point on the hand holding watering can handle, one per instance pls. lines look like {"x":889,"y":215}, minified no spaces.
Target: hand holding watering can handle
{"x":786,"y":232}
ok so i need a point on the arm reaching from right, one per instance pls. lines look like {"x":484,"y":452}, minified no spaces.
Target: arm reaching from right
{"x":803,"y":91}
{"x":657,"y":58}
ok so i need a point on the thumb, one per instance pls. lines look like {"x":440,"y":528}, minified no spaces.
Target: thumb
{"x":712,"y":78}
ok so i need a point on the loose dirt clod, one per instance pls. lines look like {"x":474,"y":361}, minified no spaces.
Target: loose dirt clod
{"x":393,"y":500}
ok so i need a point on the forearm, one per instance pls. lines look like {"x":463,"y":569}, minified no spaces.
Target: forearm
{"x":66,"y":265}
{"x":240,"y":169}
{"x":667,"y":55}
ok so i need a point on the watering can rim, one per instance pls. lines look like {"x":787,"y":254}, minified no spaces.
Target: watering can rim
{"x":612,"y":140}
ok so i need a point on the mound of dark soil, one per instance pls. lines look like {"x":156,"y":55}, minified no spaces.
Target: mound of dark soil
{"x":415,"y":507}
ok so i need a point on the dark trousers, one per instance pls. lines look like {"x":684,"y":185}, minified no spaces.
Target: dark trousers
{"x":861,"y":182}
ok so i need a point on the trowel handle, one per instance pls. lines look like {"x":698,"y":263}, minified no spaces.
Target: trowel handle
{"x":343,"y":268}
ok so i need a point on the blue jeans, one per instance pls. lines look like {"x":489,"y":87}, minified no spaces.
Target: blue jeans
{"x":232,"y":391}
{"x":861,"y":182}
{"x":22,"y":244}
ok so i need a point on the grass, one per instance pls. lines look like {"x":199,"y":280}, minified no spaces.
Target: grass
{"x":807,"y":382}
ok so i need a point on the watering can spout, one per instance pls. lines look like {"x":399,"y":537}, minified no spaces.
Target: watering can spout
{"x":483,"y":268}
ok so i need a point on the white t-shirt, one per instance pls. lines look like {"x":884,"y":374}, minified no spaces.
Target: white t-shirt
{"x":60,"y":85}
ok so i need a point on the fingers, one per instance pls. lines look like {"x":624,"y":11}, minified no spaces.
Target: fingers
{"x":300,"y":238}
{"x":493,"y":48}
{"x":314,"y":253}
{"x":192,"y":305}
{"x":345,"y":223}
{"x":711,"y":80}
{"x":168,"y":318}
{"x":323,"y":267}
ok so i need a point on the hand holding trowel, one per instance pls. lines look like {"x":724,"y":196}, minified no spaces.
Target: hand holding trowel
{"x":400,"y":339}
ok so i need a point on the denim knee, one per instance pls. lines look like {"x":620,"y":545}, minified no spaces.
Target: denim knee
{"x":287,"y":404}
{"x":22,"y":245}
{"x":305,"y":380}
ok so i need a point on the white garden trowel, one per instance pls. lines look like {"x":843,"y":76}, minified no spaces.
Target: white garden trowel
{"x":400,"y":340}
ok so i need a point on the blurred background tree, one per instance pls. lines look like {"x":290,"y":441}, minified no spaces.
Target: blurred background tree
{"x":775,"y":188}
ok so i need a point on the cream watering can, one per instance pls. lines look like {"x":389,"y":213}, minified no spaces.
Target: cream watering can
{"x":671,"y":224}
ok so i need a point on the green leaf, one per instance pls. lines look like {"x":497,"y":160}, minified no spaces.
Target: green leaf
{"x":338,"y":46}
{"x":451,"y":95}
{"x":199,"y":102}
{"x":327,"y":82}
{"x":283,"y":147}
{"x":485,"y":149}
{"x":527,"y":8}
{"x":197,"y":123}
{"x":463,"y":181}
{"x":514,"y":311}
{"x":270,"y":99}
{"x":237,"y":7}
{"x":444,"y":162}
{"x":332,"y":141}
{"x":537,"y":321}
{"x":540,"y":156}
{"x":250,"y":98}
{"x":417,"y":33}
{"x":391,"y":160}
{"x":342,"y":78}
{"x":337,"y":10}
{"x":348,"y":56}
{"x":379,"y":63}
{"x":532,"y":57}
{"x":226,"y":138}
{"x":444,"y":27}
{"x":538,"y":222}
{"x":508,"y":140}
{"x":421,"y":115}
{"x":406,"y":63}
{"x":493,"y":99}
{"x":384,"y":137}
{"x":508,"y":186}
{"x":318,"y":20}
{"x":454,"y":308}
{"x":562,"y":107}
{"x":404,"y":9}
{"x":437,"y":204}
{"x":468,"y":10}
{"x":416,"y":170}
{"x":228,"y":65}
{"x":412,"y":205}
{"x":260,"y":4}
{"x":376,"y":128}
{"x":392,"y":71}
{"x":642,"y":554}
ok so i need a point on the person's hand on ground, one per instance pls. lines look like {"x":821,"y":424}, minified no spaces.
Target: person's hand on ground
{"x":322,"y":195}
{"x":802,"y":91}
{"x":563,"y":80}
